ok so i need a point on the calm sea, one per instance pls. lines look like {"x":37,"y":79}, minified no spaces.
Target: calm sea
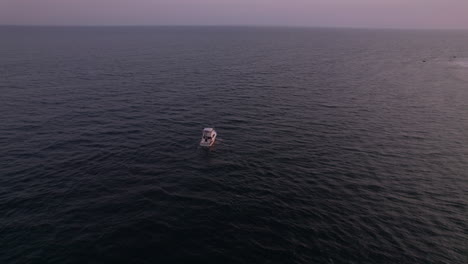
{"x":335,"y":145}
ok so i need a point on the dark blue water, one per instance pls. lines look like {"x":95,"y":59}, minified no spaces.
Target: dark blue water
{"x":335,"y":145}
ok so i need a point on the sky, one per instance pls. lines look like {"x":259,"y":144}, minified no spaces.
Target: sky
{"x":441,"y":14}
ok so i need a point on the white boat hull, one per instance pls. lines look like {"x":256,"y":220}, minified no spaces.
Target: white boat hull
{"x":208,"y":137}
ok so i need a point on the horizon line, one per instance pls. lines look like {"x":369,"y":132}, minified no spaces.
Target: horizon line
{"x":231,"y":25}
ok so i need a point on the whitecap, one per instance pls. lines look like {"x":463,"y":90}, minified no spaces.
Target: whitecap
{"x":463,"y":62}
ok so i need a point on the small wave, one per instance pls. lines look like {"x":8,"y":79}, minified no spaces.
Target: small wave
{"x":463,"y":62}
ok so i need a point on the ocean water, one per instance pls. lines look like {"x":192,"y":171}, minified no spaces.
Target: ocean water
{"x":335,"y":145}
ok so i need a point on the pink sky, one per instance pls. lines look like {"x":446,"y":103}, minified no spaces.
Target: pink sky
{"x":348,"y":13}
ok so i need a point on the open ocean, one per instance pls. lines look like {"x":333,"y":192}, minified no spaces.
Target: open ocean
{"x":335,"y":145}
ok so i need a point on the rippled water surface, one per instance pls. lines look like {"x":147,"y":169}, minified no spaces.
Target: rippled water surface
{"x":335,"y":146}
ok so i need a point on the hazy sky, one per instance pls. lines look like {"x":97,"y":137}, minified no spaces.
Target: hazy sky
{"x":349,"y":13}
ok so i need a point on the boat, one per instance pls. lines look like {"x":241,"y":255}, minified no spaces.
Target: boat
{"x":208,"y":137}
